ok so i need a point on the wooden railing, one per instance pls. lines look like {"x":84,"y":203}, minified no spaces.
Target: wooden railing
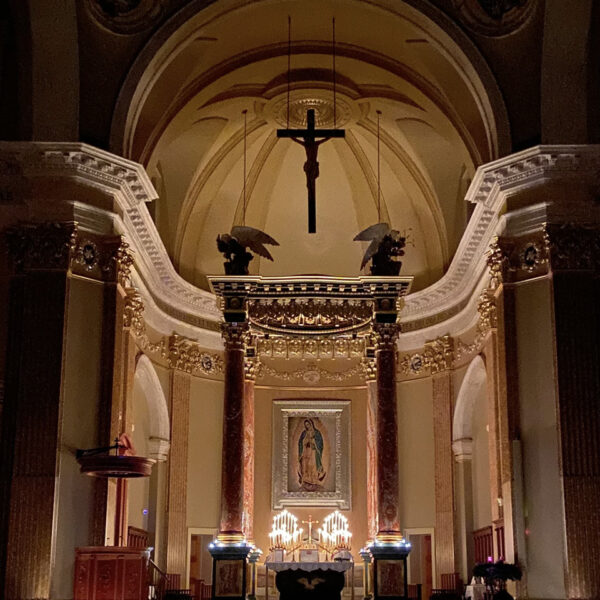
{"x":499,"y":527}
{"x":158,"y":581}
{"x":137,"y":538}
{"x":200,"y":590}
{"x":483,"y":541}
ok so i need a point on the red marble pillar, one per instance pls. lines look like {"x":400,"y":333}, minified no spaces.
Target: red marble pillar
{"x":232,"y":466}
{"x":371,"y":374}
{"x":387,"y":433}
{"x":248,"y":524}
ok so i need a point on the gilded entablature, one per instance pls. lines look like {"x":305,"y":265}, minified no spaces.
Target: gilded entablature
{"x":310,"y":314}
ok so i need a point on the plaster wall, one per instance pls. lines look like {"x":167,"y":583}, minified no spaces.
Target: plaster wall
{"x":204,"y":453}
{"x":416,"y":453}
{"x":543,"y":508}
{"x":82,"y":382}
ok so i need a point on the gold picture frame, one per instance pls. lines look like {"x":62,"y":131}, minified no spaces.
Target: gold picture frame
{"x":311,"y":453}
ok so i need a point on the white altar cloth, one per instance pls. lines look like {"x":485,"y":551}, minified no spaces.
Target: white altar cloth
{"x":340,"y":566}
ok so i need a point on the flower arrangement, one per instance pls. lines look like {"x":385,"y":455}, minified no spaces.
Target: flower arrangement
{"x":495,"y":575}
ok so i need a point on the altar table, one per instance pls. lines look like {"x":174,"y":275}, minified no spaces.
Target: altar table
{"x":309,"y":580}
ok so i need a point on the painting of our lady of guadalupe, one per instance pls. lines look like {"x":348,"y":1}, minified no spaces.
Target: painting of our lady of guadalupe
{"x":310,"y":451}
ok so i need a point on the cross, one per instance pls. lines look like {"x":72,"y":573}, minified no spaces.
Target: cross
{"x":310,"y":523}
{"x":311,"y":166}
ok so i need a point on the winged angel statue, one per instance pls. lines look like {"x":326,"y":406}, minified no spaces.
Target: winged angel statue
{"x":386,"y":246}
{"x":235,"y":246}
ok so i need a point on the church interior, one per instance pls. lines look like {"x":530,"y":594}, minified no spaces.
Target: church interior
{"x":190,"y":413}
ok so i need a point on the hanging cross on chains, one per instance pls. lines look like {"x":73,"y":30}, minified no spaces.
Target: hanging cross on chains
{"x":308,"y":138}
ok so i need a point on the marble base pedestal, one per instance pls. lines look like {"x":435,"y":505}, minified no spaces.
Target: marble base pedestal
{"x":390,"y":577}
{"x":229,"y":578}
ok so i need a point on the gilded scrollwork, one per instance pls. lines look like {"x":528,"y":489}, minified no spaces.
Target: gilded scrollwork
{"x":438,"y":354}
{"x":187,"y":355}
{"x":311,"y":374}
{"x":310,"y":314}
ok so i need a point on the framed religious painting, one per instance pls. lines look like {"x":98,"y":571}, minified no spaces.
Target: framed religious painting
{"x":311,"y":453}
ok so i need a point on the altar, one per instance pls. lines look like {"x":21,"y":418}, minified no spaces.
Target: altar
{"x":310,"y":580}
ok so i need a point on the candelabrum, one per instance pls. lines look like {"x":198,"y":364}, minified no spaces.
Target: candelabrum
{"x":285,"y":534}
{"x":334,"y":536}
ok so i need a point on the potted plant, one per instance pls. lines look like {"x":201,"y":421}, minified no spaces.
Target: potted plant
{"x":495,"y":575}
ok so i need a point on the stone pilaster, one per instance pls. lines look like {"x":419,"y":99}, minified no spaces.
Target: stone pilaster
{"x":176,"y":534}
{"x":575,"y":266}
{"x":55,"y":267}
{"x":232,"y":473}
{"x":439,"y":356}
{"x":388,"y":513}
{"x":463,"y":486}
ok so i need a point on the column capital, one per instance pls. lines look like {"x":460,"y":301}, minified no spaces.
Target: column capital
{"x":369,"y":366}
{"x":41,"y":246}
{"x":462,"y":449}
{"x":385,"y":335}
{"x":250,"y":368}
{"x":235,"y":335}
{"x":573,"y":247}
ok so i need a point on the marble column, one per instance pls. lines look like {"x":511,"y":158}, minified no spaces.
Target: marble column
{"x":232,"y":470}
{"x":370,"y":369}
{"x":250,"y":376}
{"x":176,"y":522}
{"x":388,"y":529}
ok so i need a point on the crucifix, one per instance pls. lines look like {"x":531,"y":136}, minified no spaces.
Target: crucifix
{"x":310,"y":523}
{"x":308,"y":139}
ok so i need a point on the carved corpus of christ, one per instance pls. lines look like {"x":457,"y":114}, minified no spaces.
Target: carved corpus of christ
{"x":308,"y":138}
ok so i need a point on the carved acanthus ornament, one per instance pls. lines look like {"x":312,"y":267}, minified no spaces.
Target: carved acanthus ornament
{"x":438,"y":354}
{"x":574,"y":247}
{"x":385,"y":335}
{"x":47,"y":246}
{"x":313,"y":347}
{"x":369,"y":366}
{"x":235,"y":335}
{"x":311,"y":314}
{"x":186,"y":355}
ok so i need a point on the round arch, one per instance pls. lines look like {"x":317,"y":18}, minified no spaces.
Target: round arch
{"x":472,"y":386}
{"x":147,"y":380}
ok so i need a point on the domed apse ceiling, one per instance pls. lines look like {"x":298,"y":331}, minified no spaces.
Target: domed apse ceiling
{"x":188,"y":129}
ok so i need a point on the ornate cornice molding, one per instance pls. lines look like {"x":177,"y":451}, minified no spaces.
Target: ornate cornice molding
{"x":427,"y":310}
{"x":491,"y":186}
